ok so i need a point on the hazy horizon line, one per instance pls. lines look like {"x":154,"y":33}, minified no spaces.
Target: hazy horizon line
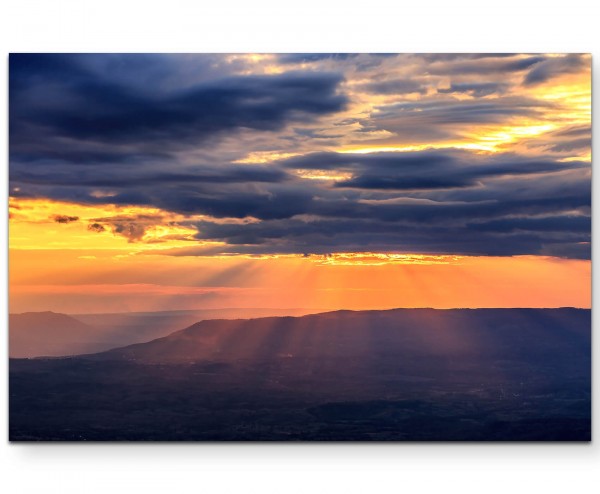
{"x":297,"y":308}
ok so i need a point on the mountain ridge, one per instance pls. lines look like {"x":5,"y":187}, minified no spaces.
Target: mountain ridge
{"x":400,"y":328}
{"x":100,"y":332}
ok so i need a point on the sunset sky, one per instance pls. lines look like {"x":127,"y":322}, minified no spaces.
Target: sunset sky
{"x":329,"y":181}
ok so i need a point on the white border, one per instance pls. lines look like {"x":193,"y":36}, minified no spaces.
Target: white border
{"x":275,"y":26}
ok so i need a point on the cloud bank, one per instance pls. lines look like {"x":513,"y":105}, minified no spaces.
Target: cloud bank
{"x":320,"y":153}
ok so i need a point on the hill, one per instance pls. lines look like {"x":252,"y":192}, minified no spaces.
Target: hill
{"x":135,"y":327}
{"x":50,"y":334}
{"x":454,"y":333}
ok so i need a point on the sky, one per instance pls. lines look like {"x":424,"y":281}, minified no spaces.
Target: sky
{"x":360,"y":181}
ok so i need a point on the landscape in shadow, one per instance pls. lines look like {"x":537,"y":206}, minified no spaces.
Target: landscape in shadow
{"x":404,"y":374}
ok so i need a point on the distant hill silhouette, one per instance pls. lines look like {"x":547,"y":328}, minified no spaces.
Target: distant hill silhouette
{"x":49,"y":334}
{"x":455,"y":333}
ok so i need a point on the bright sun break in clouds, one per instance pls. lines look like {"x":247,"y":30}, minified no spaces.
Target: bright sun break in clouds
{"x":155,"y":182}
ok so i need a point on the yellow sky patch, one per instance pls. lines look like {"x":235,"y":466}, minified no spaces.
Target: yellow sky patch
{"x":33,"y":225}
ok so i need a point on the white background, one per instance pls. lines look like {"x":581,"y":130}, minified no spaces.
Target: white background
{"x":277,"y":26}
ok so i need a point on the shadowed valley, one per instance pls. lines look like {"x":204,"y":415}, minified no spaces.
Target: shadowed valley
{"x":403,"y":374}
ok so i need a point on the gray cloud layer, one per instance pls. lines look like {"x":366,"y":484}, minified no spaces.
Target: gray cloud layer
{"x":161,"y":131}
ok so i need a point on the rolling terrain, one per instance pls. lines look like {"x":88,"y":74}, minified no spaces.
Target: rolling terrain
{"x":34,"y":334}
{"x":404,"y":374}
{"x":51,"y":334}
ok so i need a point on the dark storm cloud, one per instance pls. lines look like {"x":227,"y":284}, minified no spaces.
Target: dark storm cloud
{"x":566,"y":223}
{"x":364,"y":235}
{"x":452,"y":111}
{"x":359,"y":62}
{"x":552,"y":67}
{"x":445,"y":57}
{"x":115,"y":175}
{"x":293,"y":58}
{"x":450,"y":213}
{"x":332,"y":160}
{"x":54,"y":97}
{"x":423,"y":170}
{"x":273,"y":202}
{"x":491,"y":55}
{"x":221,"y":200}
{"x":395,"y":86}
{"x":317,"y":134}
{"x":502,"y":215}
{"x":461,"y":65}
{"x":474,"y":89}
{"x":444,"y":201}
{"x":434,"y":177}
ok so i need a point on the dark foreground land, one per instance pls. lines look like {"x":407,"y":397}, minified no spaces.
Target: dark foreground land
{"x":406,"y":374}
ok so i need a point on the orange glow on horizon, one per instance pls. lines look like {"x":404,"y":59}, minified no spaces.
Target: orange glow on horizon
{"x":78,"y":281}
